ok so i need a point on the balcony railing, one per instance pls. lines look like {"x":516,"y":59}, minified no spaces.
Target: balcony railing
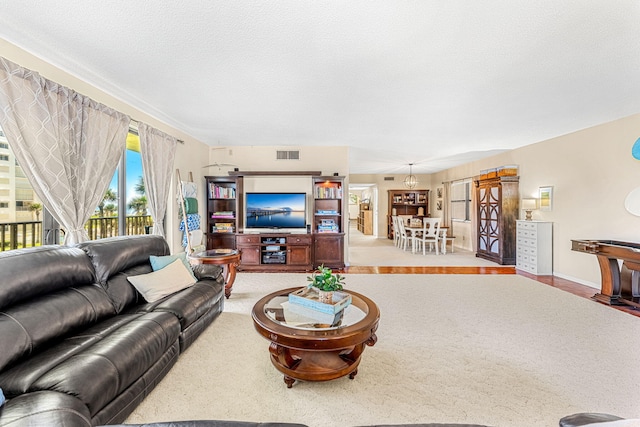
{"x":16,"y":235}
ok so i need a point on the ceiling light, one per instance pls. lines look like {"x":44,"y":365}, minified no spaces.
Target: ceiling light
{"x":410,"y":181}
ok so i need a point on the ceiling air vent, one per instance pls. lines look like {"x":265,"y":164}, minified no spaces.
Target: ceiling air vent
{"x":288,"y":155}
{"x":388,"y":178}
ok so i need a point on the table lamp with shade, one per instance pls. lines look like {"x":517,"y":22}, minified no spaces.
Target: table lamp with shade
{"x":528,"y":205}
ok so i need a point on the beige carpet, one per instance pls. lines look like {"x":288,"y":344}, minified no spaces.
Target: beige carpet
{"x":496,"y":350}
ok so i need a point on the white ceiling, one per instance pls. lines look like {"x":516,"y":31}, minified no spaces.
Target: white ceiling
{"x":433,"y":82}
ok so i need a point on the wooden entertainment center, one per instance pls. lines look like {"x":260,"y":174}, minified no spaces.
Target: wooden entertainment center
{"x":321,"y":243}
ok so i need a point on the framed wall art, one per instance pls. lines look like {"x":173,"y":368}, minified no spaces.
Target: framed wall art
{"x":545,"y":198}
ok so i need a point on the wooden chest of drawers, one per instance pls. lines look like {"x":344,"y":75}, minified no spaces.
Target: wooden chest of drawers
{"x":534,"y":247}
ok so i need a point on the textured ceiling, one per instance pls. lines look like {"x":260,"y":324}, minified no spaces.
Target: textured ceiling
{"x":436,"y":83}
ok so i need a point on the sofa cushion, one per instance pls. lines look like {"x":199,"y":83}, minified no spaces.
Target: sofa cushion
{"x":116,"y":254}
{"x":27,"y":328}
{"x":158,"y":284}
{"x":19,"y":378}
{"x":30,"y":273}
{"x":105,"y":369}
{"x":121,"y":291}
{"x":116,"y":258}
{"x":45,"y":408}
{"x":192,"y":303}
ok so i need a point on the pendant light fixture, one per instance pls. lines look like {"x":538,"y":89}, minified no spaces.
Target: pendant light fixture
{"x":410,"y":181}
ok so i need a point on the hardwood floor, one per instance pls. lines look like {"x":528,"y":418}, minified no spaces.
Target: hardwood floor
{"x":566,"y":285}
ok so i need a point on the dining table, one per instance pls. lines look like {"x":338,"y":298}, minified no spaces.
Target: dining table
{"x":413,"y":229}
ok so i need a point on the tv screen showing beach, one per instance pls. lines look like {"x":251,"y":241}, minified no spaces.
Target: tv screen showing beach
{"x":276,"y":210}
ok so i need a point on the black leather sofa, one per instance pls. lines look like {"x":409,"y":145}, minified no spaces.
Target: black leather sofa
{"x":79,"y":346}
{"x":590,"y":418}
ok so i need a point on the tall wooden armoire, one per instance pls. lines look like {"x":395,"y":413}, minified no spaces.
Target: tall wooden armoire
{"x":498,"y":203}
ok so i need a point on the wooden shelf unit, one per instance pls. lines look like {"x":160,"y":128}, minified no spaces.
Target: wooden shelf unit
{"x":365,"y":219}
{"x":329,"y":220}
{"x":323,"y":244}
{"x":406,"y":202}
{"x":224,"y":211}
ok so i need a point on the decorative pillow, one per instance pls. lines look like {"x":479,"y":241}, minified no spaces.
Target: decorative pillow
{"x":160,"y":262}
{"x":166,"y":281}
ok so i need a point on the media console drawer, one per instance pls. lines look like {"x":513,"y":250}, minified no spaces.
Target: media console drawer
{"x":299,"y":240}
{"x":248,"y":239}
{"x":275,"y":252}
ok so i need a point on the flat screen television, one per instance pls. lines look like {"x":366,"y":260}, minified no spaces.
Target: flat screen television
{"x":276,"y":211}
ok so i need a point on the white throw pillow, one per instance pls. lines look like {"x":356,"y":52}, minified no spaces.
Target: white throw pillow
{"x":154,"y":286}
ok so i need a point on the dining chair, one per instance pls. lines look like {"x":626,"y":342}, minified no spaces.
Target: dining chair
{"x":396,"y":232}
{"x":430,"y":234}
{"x":404,"y":238}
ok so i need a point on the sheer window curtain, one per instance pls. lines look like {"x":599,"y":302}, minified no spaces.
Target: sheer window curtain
{"x":446,"y":206}
{"x":67,"y":144}
{"x":157,"y":150}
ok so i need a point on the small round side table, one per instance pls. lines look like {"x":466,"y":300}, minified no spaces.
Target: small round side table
{"x":229,"y":259}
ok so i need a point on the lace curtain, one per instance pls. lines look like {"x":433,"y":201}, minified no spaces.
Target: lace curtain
{"x":157,"y":150}
{"x":67,"y":144}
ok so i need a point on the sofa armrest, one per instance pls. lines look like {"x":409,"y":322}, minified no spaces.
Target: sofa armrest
{"x":208,"y":271}
{"x":584,"y":418}
{"x":45,"y":408}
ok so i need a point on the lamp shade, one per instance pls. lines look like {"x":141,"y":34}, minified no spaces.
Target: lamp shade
{"x":529,"y":204}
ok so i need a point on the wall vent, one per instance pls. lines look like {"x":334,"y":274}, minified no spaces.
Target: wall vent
{"x":288,"y":155}
{"x":389,"y":178}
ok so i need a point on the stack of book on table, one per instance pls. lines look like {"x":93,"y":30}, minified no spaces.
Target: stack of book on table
{"x":305,"y":303}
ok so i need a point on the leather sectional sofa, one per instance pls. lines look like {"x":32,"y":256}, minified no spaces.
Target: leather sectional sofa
{"x":79,"y":346}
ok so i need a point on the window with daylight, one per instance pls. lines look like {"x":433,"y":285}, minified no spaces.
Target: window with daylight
{"x":23,"y":213}
{"x":20,"y":220}
{"x":123,"y":210}
{"x":461,"y":200}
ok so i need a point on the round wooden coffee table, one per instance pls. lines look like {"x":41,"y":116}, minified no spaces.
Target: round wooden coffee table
{"x":315,"y":351}
{"x":229,"y":259}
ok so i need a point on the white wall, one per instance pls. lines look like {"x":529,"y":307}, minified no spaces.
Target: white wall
{"x":591,"y":171}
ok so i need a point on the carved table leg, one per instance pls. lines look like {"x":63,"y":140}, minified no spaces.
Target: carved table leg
{"x":230,"y":276}
{"x":353,"y":374}
{"x":289,"y":381}
{"x":610,"y":281}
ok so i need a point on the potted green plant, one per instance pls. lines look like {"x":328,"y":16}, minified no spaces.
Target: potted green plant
{"x":326,"y":283}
